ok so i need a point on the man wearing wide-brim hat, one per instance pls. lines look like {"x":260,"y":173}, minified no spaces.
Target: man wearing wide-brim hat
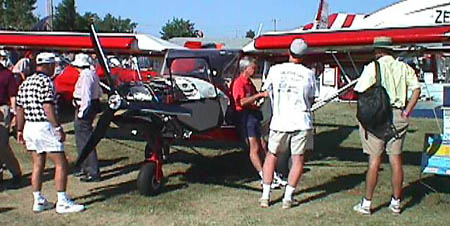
{"x":396,"y":77}
{"x":86,"y":95}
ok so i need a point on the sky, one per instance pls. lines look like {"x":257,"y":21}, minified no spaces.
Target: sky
{"x":219,"y":18}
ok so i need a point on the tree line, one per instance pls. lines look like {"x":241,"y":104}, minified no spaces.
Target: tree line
{"x":18,"y":15}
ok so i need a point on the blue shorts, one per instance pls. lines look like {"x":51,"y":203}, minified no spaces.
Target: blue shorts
{"x":250,"y":124}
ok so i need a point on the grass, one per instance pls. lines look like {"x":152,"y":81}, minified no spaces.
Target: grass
{"x":218,"y":186}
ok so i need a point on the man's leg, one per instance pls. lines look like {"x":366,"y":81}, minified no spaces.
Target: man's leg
{"x":372,"y":175}
{"x":38,"y":169}
{"x":270,"y":164}
{"x":296,"y":170}
{"x":61,"y":167}
{"x":255,"y":153}
{"x":397,"y":175}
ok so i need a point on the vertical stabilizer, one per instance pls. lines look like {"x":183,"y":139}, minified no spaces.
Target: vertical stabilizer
{"x":321,"y":20}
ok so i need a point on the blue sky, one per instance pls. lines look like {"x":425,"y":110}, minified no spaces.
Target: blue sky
{"x":219,"y":18}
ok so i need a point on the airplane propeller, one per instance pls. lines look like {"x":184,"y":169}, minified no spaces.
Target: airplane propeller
{"x":116,"y":101}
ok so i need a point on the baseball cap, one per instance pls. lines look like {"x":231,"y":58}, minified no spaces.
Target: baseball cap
{"x":45,"y":58}
{"x":3,"y":53}
{"x":298,"y":48}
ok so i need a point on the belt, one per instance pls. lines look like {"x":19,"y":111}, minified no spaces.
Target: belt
{"x":398,"y":108}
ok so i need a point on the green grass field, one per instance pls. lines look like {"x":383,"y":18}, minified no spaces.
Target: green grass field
{"x":218,"y":186}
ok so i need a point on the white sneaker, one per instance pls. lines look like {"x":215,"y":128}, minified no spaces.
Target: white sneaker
{"x":362,"y":209}
{"x":394,"y":206}
{"x":277,"y":179}
{"x":41,"y":204}
{"x":274,"y":184}
{"x":68,"y":206}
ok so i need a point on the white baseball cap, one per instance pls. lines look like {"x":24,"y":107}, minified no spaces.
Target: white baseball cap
{"x":298,"y":47}
{"x":3,"y":53}
{"x":82,"y":60}
{"x":45,"y":58}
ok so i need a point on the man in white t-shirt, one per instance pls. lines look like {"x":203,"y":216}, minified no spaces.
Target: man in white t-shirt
{"x":292,"y":88}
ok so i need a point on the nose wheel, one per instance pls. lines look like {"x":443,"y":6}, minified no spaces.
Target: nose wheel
{"x":147,"y":182}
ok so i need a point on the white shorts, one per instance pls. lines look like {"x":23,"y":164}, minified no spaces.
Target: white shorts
{"x":298,"y":142}
{"x":42,"y":137}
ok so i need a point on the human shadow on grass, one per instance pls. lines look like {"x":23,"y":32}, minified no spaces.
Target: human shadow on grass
{"x":103,"y":193}
{"x":47,"y":175}
{"x":335,"y":185}
{"x":327,"y":147}
{"x":415,"y":192}
{"x":5,"y":209}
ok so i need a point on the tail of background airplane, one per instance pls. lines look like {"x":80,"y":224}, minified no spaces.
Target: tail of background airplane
{"x":321,"y":20}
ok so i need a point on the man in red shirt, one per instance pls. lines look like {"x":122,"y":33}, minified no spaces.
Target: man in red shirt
{"x":248,"y":119}
{"x":8,"y":91}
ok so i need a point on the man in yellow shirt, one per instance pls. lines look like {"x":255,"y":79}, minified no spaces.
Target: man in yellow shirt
{"x":396,"y":77}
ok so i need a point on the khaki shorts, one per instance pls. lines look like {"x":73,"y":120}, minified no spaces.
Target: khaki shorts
{"x":298,"y":142}
{"x":375,"y":146}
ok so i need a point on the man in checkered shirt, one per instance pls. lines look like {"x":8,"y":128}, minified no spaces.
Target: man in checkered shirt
{"x":39,"y":129}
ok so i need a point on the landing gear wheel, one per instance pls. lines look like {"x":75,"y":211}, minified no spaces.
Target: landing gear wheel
{"x":146,"y":180}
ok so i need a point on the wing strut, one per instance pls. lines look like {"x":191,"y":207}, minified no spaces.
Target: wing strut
{"x":340,"y":67}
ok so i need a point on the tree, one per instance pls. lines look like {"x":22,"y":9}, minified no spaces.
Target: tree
{"x":66,"y":16}
{"x":250,"y":34}
{"x":113,"y":24}
{"x":177,"y":28}
{"x":17,"y":15}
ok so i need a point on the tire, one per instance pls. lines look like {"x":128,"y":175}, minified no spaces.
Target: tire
{"x":146,"y":181}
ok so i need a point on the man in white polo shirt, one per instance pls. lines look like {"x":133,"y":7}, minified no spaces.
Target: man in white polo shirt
{"x":39,"y":129}
{"x":292,"y":88}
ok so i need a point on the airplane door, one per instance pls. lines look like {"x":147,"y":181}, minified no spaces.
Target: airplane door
{"x":193,"y":76}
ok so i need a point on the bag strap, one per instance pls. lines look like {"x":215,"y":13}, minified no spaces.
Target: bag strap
{"x":377,"y":73}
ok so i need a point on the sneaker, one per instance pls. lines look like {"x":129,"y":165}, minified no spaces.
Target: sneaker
{"x":264,"y":203}
{"x":287,"y":204}
{"x":394,"y":206}
{"x":68,"y":206}
{"x":361,"y":209}
{"x":279,"y":180}
{"x":89,"y":178}
{"x":41,"y":204}
{"x":274,"y":184}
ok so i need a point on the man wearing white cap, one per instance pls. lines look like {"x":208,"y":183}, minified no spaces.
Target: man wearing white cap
{"x":86,"y":95}
{"x":39,"y":129}
{"x":292,"y":88}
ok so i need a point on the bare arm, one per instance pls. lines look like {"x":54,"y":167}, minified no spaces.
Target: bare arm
{"x":412,"y":102}
{"x":247,"y":101}
{"x":20,"y":122}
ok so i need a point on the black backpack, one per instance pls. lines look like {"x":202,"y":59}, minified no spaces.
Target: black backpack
{"x":374,"y":110}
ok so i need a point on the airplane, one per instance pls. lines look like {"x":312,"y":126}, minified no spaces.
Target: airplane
{"x":343,"y":42}
{"x":189,"y":99}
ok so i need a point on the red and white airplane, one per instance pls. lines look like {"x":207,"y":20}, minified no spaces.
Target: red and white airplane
{"x":343,"y":41}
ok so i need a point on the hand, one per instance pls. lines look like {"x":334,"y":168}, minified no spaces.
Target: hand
{"x":263,"y":94}
{"x":20,"y":137}
{"x":62,"y":135}
{"x":406,"y":114}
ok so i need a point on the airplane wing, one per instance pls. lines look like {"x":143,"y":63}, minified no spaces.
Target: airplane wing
{"x":75,"y":41}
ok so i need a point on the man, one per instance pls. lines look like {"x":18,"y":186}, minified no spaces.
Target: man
{"x":249,"y":116}
{"x":24,"y":67}
{"x":396,"y":77}
{"x":39,"y":129}
{"x":86,"y":95}
{"x":8,"y":91}
{"x":292,"y":88}
{"x":4,"y":59}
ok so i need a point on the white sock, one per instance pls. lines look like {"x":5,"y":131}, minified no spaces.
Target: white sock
{"x":366,"y":203}
{"x":261,"y":174}
{"x":266,"y":191}
{"x":37,"y":195}
{"x":288,"y":192}
{"x":62,"y":196}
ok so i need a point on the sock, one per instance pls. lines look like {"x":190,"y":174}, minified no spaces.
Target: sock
{"x":288,"y":192}
{"x":62,"y":196}
{"x":261,"y":174}
{"x":266,"y":191}
{"x":395,"y":201}
{"x":366,"y":203}
{"x":37,"y":195}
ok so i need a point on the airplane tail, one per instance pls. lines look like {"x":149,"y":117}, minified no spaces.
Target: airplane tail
{"x":321,"y":20}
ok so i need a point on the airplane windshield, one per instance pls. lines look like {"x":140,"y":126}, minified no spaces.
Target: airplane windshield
{"x":191,"y":67}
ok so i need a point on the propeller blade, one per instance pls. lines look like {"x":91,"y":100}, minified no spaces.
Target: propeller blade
{"x":101,"y":57}
{"x":98,"y":133}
